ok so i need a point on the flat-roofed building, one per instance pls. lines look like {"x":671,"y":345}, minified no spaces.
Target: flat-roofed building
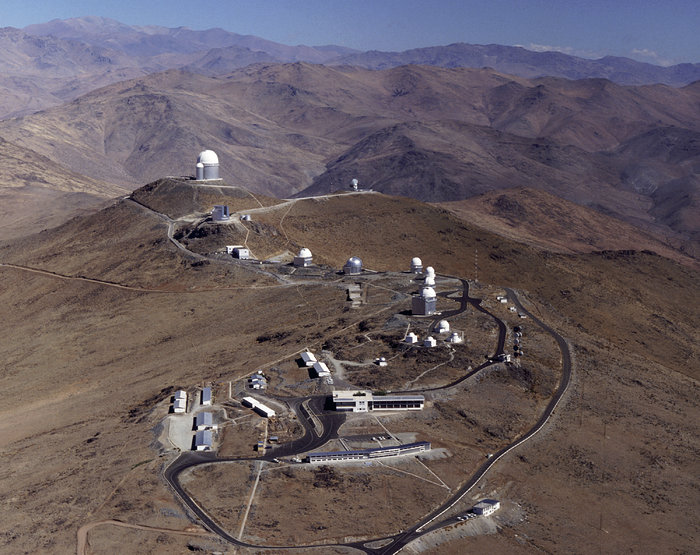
{"x":203,"y":440}
{"x":206,"y":396}
{"x":204,"y":421}
{"x":486,"y":507}
{"x":180,"y":406}
{"x":258,"y":407}
{"x":309,"y":358}
{"x":181,"y":394}
{"x":364,"y":454}
{"x":364,"y":401}
{"x":321,"y":369}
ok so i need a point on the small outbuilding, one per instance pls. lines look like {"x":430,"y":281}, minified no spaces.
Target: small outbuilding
{"x":486,"y":507}
{"x":242,"y":253}
{"x":180,"y":406}
{"x":454,"y":338}
{"x":411,"y":338}
{"x":430,"y":341}
{"x":206,"y":396}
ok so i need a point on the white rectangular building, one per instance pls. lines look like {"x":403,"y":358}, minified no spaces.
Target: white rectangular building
{"x":309,"y":358}
{"x":321,"y":369}
{"x":364,"y":401}
{"x":486,"y":507}
{"x":181,"y":394}
{"x":180,"y":405}
{"x":241,"y":253}
{"x":258,"y":407}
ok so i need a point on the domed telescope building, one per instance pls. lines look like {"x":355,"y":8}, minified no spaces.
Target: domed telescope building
{"x":304,"y":258}
{"x":207,"y":168}
{"x":353,"y":266}
{"x":425,"y":303}
{"x":416,"y":266}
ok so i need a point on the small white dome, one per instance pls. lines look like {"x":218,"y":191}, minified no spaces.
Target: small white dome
{"x":304,"y":253}
{"x":417,"y":261}
{"x":429,"y":280}
{"x":428,"y":293}
{"x":430,"y":271}
{"x":208,"y":158}
{"x":200,"y":165}
{"x":443,"y":326}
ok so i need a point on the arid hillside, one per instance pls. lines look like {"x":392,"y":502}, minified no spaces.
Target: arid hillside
{"x":103,"y":317}
{"x":430,"y":133}
{"x":543,"y":220}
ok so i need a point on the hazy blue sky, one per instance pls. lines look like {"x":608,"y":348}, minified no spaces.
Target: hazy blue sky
{"x":658,"y":31}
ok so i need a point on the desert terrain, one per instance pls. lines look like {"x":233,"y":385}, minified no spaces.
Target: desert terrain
{"x":104,"y":318}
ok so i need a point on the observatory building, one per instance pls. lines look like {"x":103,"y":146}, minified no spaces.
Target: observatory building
{"x":353,"y":266}
{"x":303,"y":259}
{"x":416,"y":266}
{"x":207,"y":166}
{"x":425,"y":303}
{"x":220,"y":213}
{"x":443,"y":326}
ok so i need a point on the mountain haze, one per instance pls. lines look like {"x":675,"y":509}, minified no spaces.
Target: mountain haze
{"x":95,"y":51}
{"x":432,"y":133}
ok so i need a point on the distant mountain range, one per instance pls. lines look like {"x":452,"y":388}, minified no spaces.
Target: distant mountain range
{"x":430,"y":133}
{"x":110,"y":111}
{"x":46,"y":64}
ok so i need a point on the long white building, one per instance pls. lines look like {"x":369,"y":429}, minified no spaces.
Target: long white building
{"x":364,"y":401}
{"x":258,"y":407}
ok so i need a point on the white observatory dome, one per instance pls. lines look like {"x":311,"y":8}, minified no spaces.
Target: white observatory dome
{"x":429,"y":280}
{"x":304,"y":253}
{"x":416,"y":261}
{"x":443,"y":326}
{"x":428,"y":293}
{"x":353,"y":266}
{"x":430,"y":271}
{"x":208,"y":158}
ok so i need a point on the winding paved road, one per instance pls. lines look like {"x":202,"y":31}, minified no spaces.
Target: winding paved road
{"x":332,"y":422}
